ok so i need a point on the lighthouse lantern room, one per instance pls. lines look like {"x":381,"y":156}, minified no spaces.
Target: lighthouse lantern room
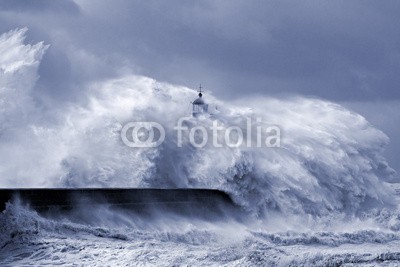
{"x":199,"y":105}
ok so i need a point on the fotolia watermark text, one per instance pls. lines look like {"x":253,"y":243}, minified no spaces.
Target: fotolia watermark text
{"x":251,"y":133}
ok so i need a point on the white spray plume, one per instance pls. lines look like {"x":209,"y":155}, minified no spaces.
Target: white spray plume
{"x":329,"y":159}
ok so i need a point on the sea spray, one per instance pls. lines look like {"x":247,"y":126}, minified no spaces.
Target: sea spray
{"x":329,"y":158}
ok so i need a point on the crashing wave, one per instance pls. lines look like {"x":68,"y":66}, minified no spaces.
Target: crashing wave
{"x":330,"y":159}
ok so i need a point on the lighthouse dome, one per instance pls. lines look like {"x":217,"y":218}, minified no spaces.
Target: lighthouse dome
{"x":198,"y":101}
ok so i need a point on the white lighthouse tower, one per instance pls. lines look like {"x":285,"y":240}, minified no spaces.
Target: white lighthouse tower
{"x":199,"y":105}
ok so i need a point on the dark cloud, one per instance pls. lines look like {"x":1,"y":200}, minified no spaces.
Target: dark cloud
{"x":337,"y":50}
{"x":40,"y":6}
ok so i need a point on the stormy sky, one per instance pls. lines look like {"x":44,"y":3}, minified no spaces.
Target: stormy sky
{"x":343,"y":51}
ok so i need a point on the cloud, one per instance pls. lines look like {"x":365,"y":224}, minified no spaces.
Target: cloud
{"x":334,"y":50}
{"x":40,"y":6}
{"x":337,"y":50}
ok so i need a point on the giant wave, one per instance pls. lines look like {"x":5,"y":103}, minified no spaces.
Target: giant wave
{"x":330,"y":158}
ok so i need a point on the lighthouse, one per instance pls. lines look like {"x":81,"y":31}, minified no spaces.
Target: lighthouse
{"x":199,"y":105}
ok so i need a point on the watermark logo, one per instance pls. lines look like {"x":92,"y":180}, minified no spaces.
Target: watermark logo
{"x":142,"y":134}
{"x":152,"y":134}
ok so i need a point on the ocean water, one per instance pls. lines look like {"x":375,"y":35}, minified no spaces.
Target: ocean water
{"x":325,"y":196}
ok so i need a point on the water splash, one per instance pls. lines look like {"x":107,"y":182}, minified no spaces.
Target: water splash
{"x":330,"y":159}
